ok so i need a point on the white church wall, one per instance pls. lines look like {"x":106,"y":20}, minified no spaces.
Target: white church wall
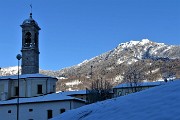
{"x":8,"y":112}
{"x":52,"y":85}
{"x":22,"y":89}
{"x":76,"y":104}
{"x":4,"y":89}
{"x":37,"y":111}
{"x":34,"y":84}
{"x":1,"y":87}
{"x":27,"y":86}
{"x":6,"y":86}
{"x":14,"y":83}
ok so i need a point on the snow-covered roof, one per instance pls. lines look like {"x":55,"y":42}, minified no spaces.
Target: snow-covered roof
{"x":45,"y":98}
{"x":79,"y":92}
{"x":158,"y":103}
{"x":142,"y":84}
{"x":30,"y":20}
{"x":37,"y":75}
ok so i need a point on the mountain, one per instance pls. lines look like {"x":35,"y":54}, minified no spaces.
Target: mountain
{"x":157,"y":103}
{"x":156,"y":59}
{"x":9,"y":71}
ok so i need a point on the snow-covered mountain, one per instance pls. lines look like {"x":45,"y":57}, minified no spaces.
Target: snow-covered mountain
{"x":133,"y":51}
{"x":137,"y":50}
{"x":112,"y":64}
{"x":158,"y":103}
{"x":157,"y":57}
{"x":9,"y":71}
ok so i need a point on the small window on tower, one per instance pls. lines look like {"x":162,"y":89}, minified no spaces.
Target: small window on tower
{"x":28,"y":39}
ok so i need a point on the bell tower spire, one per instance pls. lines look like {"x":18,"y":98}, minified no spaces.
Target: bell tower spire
{"x":30,"y":46}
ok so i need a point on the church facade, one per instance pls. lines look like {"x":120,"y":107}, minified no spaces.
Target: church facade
{"x":31,"y":83}
{"x":31,"y":95}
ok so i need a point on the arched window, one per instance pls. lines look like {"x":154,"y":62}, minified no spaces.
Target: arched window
{"x":28,"y":39}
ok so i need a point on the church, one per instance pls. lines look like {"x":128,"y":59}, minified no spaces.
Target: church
{"x":31,"y":95}
{"x":31,"y":82}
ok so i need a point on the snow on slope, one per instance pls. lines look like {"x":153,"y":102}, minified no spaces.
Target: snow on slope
{"x":158,"y":103}
{"x":9,"y":71}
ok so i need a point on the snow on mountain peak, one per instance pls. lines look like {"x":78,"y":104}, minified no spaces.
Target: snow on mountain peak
{"x":129,"y":44}
{"x":145,"y":41}
{"x":133,"y":43}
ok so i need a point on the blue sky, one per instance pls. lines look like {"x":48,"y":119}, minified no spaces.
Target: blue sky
{"x":76,"y":30}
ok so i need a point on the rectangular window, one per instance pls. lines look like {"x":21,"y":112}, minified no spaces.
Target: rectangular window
{"x":9,"y":111}
{"x":62,"y":110}
{"x":16,"y":91}
{"x":39,"y":89}
{"x":49,"y":114}
{"x":30,"y":110}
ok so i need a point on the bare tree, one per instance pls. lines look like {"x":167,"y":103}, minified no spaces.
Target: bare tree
{"x":169,"y":69}
{"x":134,"y":75}
{"x":100,"y":90}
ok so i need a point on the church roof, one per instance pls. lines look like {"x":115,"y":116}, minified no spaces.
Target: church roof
{"x":45,"y":98}
{"x":37,"y":75}
{"x":140,"y":84}
{"x":69,"y":93}
{"x":29,"y":20}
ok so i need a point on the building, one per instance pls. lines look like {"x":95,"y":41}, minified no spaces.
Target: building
{"x":39,"y":108}
{"x":81,"y":94}
{"x":30,"y":46}
{"x":127,"y":88}
{"x":31,"y":85}
{"x":31,"y":82}
{"x":31,"y":96}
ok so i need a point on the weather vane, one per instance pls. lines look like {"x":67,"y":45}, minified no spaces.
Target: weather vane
{"x":31,"y":7}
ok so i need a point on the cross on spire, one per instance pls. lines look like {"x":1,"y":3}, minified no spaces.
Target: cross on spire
{"x":31,"y":7}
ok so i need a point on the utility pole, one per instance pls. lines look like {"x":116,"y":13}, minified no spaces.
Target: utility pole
{"x":18,"y":57}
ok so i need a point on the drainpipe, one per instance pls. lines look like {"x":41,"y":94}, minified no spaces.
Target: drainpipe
{"x":46,"y":86}
{"x":25,"y":82}
{"x":70,"y":105}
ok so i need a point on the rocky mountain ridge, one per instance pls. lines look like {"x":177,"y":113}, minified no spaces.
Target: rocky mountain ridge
{"x":113,"y":64}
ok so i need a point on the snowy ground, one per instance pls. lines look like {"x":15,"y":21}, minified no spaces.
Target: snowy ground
{"x":158,"y":103}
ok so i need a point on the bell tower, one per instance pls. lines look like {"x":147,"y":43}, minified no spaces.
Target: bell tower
{"x":30,"y":46}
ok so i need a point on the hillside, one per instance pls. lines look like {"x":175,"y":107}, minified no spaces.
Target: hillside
{"x":158,"y":103}
{"x":156,"y":61}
